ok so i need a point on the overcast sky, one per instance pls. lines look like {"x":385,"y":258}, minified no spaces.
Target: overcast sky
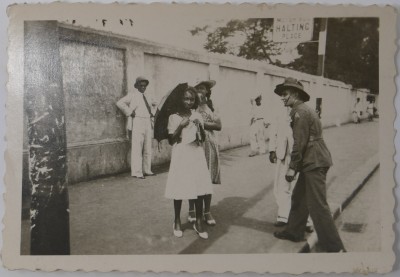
{"x":172,"y":28}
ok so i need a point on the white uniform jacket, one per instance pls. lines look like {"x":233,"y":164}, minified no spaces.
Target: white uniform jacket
{"x":134,"y":101}
{"x":281,"y":136}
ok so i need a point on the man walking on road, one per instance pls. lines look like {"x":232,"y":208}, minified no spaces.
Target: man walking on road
{"x":140,"y":121}
{"x":312,"y":159}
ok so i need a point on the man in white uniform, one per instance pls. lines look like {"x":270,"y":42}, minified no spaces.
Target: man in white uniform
{"x":280,"y":149}
{"x":257,"y":128}
{"x":139,"y":114}
{"x":357,"y":111}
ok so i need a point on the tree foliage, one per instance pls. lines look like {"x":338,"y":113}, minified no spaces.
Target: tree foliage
{"x":254,"y":34}
{"x":352,"y":52}
{"x":352,"y":47}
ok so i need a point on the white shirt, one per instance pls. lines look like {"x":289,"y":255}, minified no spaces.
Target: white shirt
{"x":189,"y":132}
{"x":258,"y":112}
{"x":281,"y":136}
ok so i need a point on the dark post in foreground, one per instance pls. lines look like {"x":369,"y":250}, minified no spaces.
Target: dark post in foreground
{"x":44,"y":107}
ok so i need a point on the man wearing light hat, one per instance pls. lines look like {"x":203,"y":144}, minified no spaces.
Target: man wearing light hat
{"x":310,"y":158}
{"x":140,"y":121}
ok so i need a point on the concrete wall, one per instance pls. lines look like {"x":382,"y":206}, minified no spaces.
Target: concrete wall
{"x":99,"y":68}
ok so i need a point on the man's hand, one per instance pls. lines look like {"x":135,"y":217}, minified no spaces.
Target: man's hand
{"x":196,"y":121}
{"x":272,"y":157}
{"x":290,"y":175}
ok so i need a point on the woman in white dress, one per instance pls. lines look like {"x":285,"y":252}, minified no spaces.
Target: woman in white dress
{"x":188,"y":176}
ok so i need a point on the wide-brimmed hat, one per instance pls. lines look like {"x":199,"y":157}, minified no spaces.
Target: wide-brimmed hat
{"x":292,"y":83}
{"x":141,"y":79}
{"x":209,"y":84}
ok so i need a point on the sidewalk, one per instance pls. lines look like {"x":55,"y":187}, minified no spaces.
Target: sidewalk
{"x":122,"y":215}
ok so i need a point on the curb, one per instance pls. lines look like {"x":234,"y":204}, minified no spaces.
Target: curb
{"x":357,"y":180}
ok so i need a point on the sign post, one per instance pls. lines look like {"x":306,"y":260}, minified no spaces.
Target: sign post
{"x":322,"y":47}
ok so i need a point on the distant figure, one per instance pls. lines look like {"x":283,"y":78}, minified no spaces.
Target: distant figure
{"x":310,"y":158}
{"x":357,"y":111}
{"x":140,"y":122}
{"x":318,"y":108}
{"x":257,"y":128}
{"x":371,"y":110}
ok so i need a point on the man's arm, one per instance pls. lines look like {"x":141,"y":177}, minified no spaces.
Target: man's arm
{"x":124,"y":104}
{"x":273,"y":133}
{"x":301,"y":134}
{"x":214,"y":125}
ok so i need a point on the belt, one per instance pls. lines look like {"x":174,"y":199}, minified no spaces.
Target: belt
{"x":142,"y":117}
{"x":312,"y":138}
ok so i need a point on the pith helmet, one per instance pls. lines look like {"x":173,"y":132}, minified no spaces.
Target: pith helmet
{"x":292,"y":83}
{"x":141,"y":79}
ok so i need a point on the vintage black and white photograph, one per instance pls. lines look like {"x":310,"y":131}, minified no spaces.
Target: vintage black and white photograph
{"x":182,"y":129}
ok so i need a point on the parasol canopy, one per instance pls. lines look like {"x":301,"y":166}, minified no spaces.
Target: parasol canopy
{"x":168,"y":105}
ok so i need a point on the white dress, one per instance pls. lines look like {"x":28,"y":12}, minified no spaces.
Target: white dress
{"x":188,"y":175}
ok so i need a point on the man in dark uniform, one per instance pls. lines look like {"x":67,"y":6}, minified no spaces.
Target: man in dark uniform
{"x":312,"y":159}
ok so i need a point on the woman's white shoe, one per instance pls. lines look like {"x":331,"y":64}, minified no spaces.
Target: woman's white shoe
{"x":177,"y":233}
{"x":191,"y":219}
{"x":203,"y":235}
{"x":209,"y":219}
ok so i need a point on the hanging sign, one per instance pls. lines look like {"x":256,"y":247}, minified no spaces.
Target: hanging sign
{"x":292,"y":29}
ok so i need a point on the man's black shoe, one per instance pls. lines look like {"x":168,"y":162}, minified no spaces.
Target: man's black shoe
{"x":286,"y":236}
{"x":280,"y":224}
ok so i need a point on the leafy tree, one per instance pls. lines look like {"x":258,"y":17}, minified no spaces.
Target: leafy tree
{"x":256,"y":34}
{"x":352,"y":53}
{"x":308,"y":51}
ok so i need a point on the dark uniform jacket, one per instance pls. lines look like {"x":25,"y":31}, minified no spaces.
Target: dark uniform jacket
{"x":309,"y":149}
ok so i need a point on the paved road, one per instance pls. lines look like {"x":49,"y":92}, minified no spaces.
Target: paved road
{"x":122,"y":215}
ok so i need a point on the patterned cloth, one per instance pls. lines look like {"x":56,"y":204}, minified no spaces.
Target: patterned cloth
{"x":211,"y":145}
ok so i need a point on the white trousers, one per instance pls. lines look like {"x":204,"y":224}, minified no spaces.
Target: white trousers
{"x":141,"y":148}
{"x":356,"y":117}
{"x":257,"y":137}
{"x":283,"y":190}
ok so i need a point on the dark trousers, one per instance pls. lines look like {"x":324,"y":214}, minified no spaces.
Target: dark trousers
{"x":309,"y":198}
